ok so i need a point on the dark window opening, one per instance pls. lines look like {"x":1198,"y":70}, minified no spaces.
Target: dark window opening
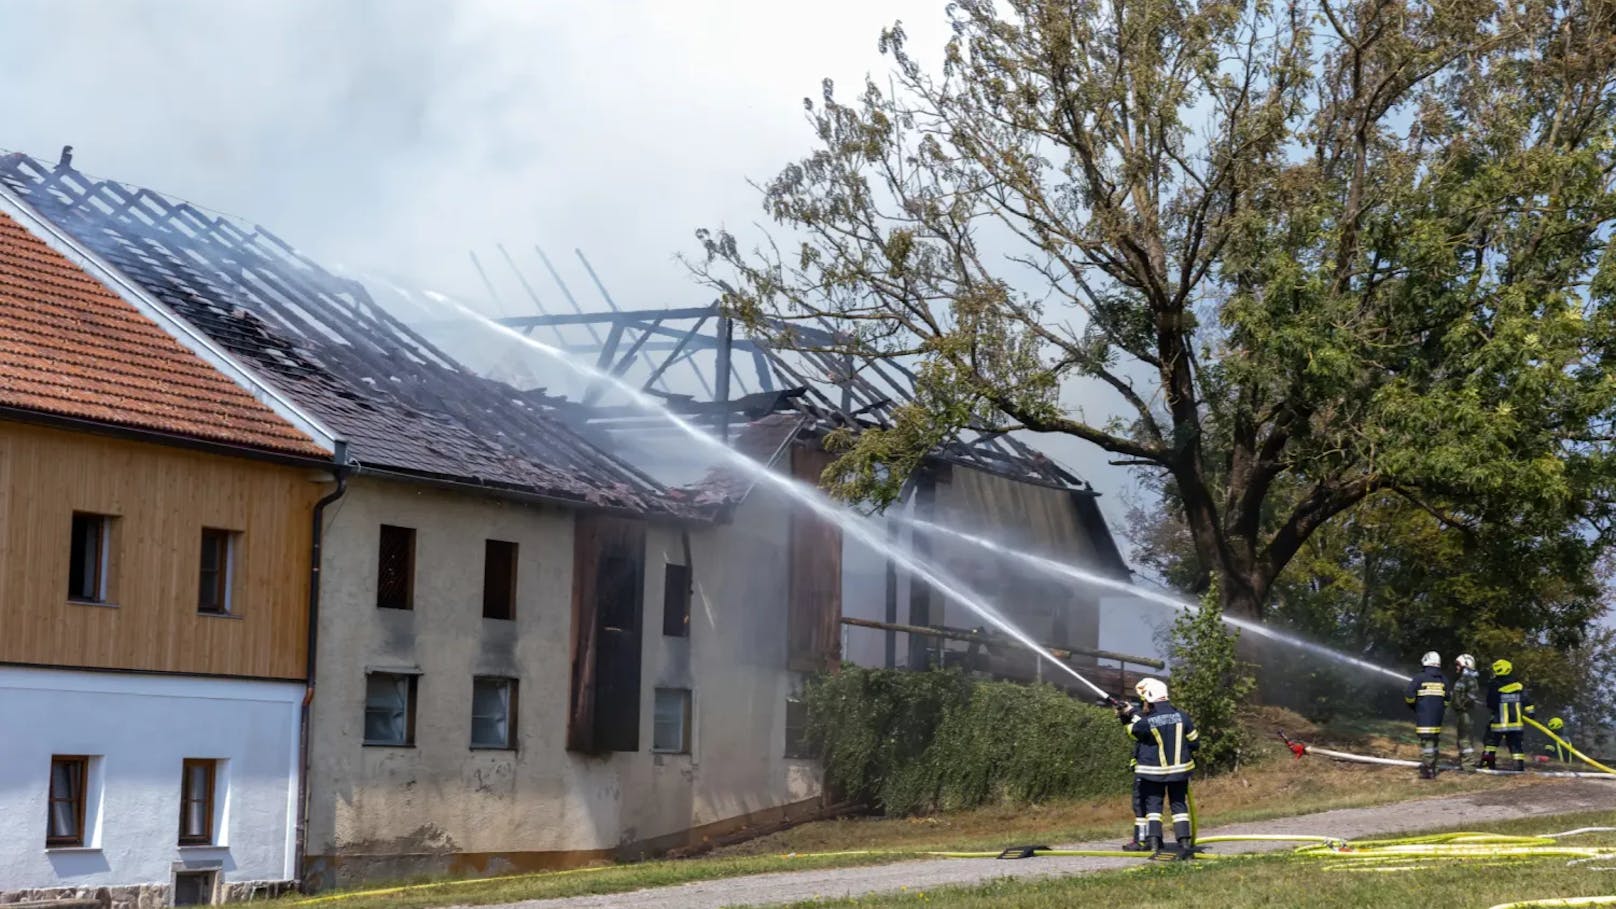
{"x":194,"y":888}
{"x":218,"y":557}
{"x":493,"y":713}
{"x":395,"y":568}
{"x":797,"y":744}
{"x":676,"y":601}
{"x":69,"y":776}
{"x":87,"y":559}
{"x":389,"y":709}
{"x":608,"y":607}
{"x":499,"y":580}
{"x":197,"y":778}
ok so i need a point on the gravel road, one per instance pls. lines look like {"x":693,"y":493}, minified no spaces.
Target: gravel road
{"x":795,"y":886}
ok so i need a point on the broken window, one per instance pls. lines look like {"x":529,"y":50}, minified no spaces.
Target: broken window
{"x":797,"y":744}
{"x":395,"y":568}
{"x":493,"y":713}
{"x":217,"y":569}
{"x":499,"y":580}
{"x":197,"y":778}
{"x":389,"y":709}
{"x":676,"y":601}
{"x":670,"y":721}
{"x":608,"y":600}
{"x":814,"y":599}
{"x":87,"y":558}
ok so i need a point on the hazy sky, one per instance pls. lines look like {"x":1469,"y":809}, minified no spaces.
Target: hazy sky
{"x":399,"y":134}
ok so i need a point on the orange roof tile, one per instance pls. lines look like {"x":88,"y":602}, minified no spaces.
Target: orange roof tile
{"x":70,"y":346}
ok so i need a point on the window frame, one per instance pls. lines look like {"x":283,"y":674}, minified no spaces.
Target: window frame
{"x":411,"y":696}
{"x":512,"y":700}
{"x":224,"y":575}
{"x":676,"y":600}
{"x":209,"y":800}
{"x":407,"y":601}
{"x":512,"y":552}
{"x":688,"y":699}
{"x":57,"y":841}
{"x":101,"y":564}
{"x":797,"y":748}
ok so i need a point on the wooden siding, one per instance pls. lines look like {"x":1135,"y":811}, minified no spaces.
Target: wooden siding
{"x":162,"y":498}
{"x":813,"y":627}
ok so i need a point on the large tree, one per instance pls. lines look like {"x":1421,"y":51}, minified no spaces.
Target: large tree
{"x":1315,"y":252}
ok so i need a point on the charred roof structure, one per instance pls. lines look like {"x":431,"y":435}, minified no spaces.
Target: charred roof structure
{"x":398,"y":402}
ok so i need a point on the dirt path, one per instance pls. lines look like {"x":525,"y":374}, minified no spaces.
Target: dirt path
{"x":795,"y":886}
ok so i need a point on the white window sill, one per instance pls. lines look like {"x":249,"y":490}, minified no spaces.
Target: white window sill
{"x":199,"y":847}
{"x":72,"y":848}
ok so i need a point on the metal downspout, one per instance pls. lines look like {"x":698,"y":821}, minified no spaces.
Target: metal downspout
{"x":315,"y":541}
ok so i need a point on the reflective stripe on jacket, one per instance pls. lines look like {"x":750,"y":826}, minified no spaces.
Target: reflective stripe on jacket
{"x":1165,"y":740}
{"x":1508,"y":701}
{"x":1427,"y":696}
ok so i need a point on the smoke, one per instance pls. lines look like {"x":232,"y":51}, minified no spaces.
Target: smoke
{"x":394,"y":136}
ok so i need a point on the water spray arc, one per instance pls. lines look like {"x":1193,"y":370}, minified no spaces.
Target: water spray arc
{"x":1050,"y":566}
{"x":808,"y":496}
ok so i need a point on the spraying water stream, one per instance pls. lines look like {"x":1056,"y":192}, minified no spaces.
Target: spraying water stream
{"x":803,"y":494}
{"x":1050,"y":566}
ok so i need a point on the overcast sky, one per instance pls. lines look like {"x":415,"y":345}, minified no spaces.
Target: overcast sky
{"x":400,"y":134}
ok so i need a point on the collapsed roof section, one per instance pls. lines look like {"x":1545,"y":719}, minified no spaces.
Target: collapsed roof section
{"x":398,"y":402}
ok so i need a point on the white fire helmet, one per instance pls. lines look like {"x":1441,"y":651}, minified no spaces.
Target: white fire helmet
{"x":1431,"y":659}
{"x":1151,"y":691}
{"x":1466,"y":661}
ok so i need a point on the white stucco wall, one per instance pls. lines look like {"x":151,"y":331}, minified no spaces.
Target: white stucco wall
{"x":138,"y":730}
{"x":387,"y":812}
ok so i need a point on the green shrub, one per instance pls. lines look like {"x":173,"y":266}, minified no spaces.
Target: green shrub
{"x":1210,"y":682}
{"x":912,"y":742}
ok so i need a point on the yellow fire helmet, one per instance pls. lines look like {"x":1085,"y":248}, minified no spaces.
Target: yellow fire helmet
{"x":1503,"y":667}
{"x":1557,"y":724}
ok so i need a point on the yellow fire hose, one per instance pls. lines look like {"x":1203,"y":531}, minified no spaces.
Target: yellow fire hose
{"x":1567,"y":745}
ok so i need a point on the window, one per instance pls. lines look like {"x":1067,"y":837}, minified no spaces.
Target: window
{"x":87,"y":560}
{"x":676,"y":601}
{"x":389,"y":709}
{"x":670,"y":731}
{"x":197,"y":777}
{"x":395,"y":568}
{"x":195,"y":888}
{"x":69,"y":777}
{"x":218,"y":571}
{"x":797,"y":729}
{"x":493,"y":713}
{"x":499,"y":580}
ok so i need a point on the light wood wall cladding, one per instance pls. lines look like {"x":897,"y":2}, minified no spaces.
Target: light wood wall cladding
{"x":162,"y":498}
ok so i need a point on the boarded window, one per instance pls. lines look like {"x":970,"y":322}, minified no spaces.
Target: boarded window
{"x":395,"y":568}
{"x":814,"y":608}
{"x":389,"y":709}
{"x":670,"y":721}
{"x":87,"y":558}
{"x":608,"y":601}
{"x":69,"y":777}
{"x":499,"y":580}
{"x":676,"y":601}
{"x":197,"y":778}
{"x":493,"y":713}
{"x":217,"y":571}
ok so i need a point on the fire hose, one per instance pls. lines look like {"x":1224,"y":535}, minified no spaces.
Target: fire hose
{"x":1567,"y":745}
{"x":1302,"y":748}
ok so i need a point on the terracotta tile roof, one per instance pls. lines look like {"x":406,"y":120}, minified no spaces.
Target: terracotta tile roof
{"x":71,"y":347}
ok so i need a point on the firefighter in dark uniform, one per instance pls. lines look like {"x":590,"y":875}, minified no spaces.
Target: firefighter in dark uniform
{"x":1508,"y":702}
{"x":1427,"y":696}
{"x":1167,"y":741}
{"x":1137,"y":844}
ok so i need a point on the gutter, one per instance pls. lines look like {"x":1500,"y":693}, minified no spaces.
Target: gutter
{"x":304,"y":724}
{"x":520,"y":495}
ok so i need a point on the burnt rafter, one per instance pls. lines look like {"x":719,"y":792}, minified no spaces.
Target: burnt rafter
{"x":700,"y":343}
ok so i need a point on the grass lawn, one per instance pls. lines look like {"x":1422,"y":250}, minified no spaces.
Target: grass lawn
{"x":1273,"y":786}
{"x":1285,"y":882}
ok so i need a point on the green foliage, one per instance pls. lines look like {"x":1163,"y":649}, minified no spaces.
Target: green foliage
{"x":1210,"y":682}
{"x":913,"y":742}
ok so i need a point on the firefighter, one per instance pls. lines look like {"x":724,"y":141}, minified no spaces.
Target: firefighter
{"x":1140,"y":825}
{"x":1507,"y":702}
{"x":1427,"y":696}
{"x":1555,"y":749}
{"x":1166,"y":741}
{"x":1462,"y":697}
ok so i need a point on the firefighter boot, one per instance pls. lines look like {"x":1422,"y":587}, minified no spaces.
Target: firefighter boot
{"x":1186,"y":848}
{"x":1427,"y":773}
{"x":1489,"y":761}
{"x":1153,"y":845}
{"x":1134,"y":846}
{"x":1520,"y":766}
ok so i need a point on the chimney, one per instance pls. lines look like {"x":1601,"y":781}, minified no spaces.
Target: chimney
{"x":66,"y":162}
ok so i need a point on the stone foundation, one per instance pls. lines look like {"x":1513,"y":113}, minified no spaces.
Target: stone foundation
{"x":138,"y":896}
